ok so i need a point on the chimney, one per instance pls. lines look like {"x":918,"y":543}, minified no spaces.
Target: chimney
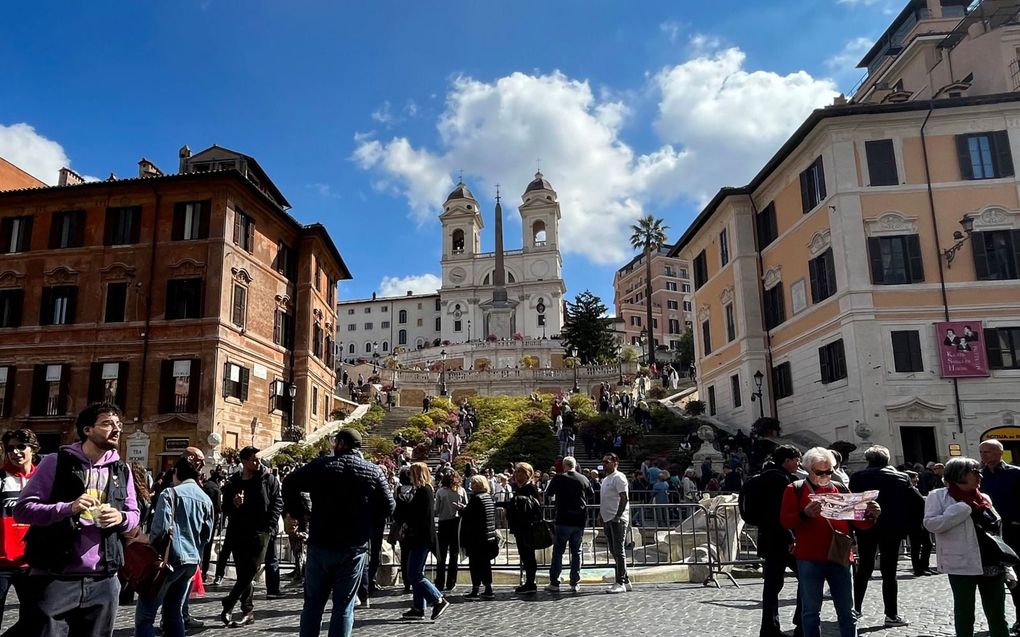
{"x":184,"y":154}
{"x":410,"y":293}
{"x":935,"y":8}
{"x":148,"y":169}
{"x":373,"y":296}
{"x":69,"y":178}
{"x":839,"y":100}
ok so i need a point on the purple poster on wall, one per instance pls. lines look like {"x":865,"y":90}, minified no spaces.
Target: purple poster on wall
{"x":961,"y":349}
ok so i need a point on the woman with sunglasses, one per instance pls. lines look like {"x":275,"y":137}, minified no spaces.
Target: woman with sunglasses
{"x":20,"y":454}
{"x":956,"y":515}
{"x":822,"y":545}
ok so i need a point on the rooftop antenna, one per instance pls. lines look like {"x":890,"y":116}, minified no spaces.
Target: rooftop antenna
{"x":538,"y":164}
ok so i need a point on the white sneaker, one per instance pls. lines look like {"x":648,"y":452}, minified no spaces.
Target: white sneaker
{"x":552,"y":588}
{"x":575,"y":588}
{"x":617,"y":588}
{"x":628,"y":586}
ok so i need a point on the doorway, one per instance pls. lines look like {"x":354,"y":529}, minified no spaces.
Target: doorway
{"x":919,"y":445}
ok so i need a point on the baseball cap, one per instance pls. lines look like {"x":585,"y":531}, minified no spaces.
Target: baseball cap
{"x":350,"y":436}
{"x":248,"y":452}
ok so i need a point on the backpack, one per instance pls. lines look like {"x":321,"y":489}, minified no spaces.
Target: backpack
{"x":749,"y":501}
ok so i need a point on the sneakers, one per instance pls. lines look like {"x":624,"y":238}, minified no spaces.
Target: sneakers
{"x":628,"y":586}
{"x":617,"y":588}
{"x":575,"y":588}
{"x":552,"y":587}
{"x":439,"y":608}
{"x":488,"y":594}
{"x":526,"y":589}
{"x":227,"y":617}
{"x":246,"y":619}
{"x":414,"y":613}
{"x":218,"y":581}
{"x":895,"y":621}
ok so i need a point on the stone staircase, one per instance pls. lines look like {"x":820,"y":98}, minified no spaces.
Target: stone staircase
{"x":396,"y":418}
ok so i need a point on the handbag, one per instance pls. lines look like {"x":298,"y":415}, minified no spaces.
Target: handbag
{"x":994,"y":550}
{"x":145,"y":568}
{"x":492,"y":547}
{"x":839,"y":547}
{"x":542,"y":534}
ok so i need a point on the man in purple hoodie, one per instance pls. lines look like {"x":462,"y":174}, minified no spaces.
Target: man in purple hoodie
{"x":78,"y":503}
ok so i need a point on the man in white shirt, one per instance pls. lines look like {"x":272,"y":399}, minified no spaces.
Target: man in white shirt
{"x":615,"y":509}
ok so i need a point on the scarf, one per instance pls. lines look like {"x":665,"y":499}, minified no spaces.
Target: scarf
{"x":973,"y":498}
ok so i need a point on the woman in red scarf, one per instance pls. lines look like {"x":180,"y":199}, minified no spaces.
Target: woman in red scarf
{"x":949,"y":514}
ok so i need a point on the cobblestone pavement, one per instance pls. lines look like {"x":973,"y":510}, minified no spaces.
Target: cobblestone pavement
{"x":663,"y":610}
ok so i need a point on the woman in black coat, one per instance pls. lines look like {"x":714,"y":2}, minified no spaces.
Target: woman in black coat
{"x":478,"y":537}
{"x":522,"y":510}
{"x":420,"y":536}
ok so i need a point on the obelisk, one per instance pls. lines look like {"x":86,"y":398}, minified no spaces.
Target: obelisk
{"x":499,"y":311}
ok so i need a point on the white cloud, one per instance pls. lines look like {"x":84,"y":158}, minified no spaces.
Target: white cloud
{"x":40,"y":157}
{"x":846,"y":60}
{"x":672,"y":29}
{"x":426,"y":283}
{"x":383,"y":114}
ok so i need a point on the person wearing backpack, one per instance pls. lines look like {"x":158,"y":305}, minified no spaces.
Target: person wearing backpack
{"x":522,"y":510}
{"x":760,"y":501}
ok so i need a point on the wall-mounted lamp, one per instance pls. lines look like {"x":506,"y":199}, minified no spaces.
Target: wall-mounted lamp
{"x":960,"y":238}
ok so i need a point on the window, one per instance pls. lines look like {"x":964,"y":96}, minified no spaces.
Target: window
{"x":775,"y":306}
{"x":672,"y":305}
{"x":823,"y":276}
{"x":711,"y":401}
{"x":1003,"y":347}
{"x":685,"y":287}
{"x":437,"y":304}
{"x":368,"y":326}
{"x":116,"y":302}
{"x":58,"y":305}
{"x":244,"y":231}
{"x":67,"y":229}
{"x":385,"y":346}
{"x":317,"y":340}
{"x":731,"y":324}
{"x":350,"y":311}
{"x":402,"y":337}
{"x":984,"y":155}
{"x":683,"y":273}
{"x":419,"y":306}
{"x":318,"y":278}
{"x":881,"y":162}
{"x":286,"y":263}
{"x":368,"y":310}
{"x":674,"y":345}
{"x":122,"y":225}
{"x":456,"y":326}
{"x":17,"y":234}
{"x":386,"y":308}
{"x":11,"y":305}
{"x":671,"y":286}
{"x":235,"y":381}
{"x":439,"y":324}
{"x":279,"y":397}
{"x":782,"y":381}
{"x":402,"y":317}
{"x":700,"y":270}
{"x":384,"y":325}
{"x":906,"y":347}
{"x":7,"y":384}
{"x":183,"y":299}
{"x":108,"y":382}
{"x":350,"y":349}
{"x":368,"y":348}
{"x":674,"y":326}
{"x":420,"y":322}
{"x":191,"y":221}
{"x":896,"y":260}
{"x":353,"y":327}
{"x":327,"y":349}
{"x":668,"y":270}
{"x":49,"y":390}
{"x":735,"y":389}
{"x":812,"y":186}
{"x":655,"y":323}
{"x":688,"y":306}
{"x":996,"y":254}
{"x":635,"y":321}
{"x":766,"y":222}
{"x":330,"y":290}
{"x":315,"y":400}
{"x":239,"y":307}
{"x":706,"y":338}
{"x":283,"y":329}
{"x":179,"y":386}
{"x":724,"y":248}
{"x":832,"y":362}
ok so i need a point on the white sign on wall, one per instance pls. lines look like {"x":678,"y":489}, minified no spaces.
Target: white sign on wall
{"x":260,"y":371}
{"x":138,"y":448}
{"x":798,"y":292}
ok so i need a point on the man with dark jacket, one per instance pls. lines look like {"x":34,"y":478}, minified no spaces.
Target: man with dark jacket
{"x":253,"y":504}
{"x":349,"y":494}
{"x":1001,"y":482}
{"x":902,"y":505}
{"x":775,"y":542}
{"x":211,"y":487}
{"x":572,"y":493}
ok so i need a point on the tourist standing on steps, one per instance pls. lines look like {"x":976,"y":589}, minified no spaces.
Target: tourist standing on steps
{"x":572,"y":493}
{"x":420,"y":536}
{"x":20,"y":449}
{"x":346,"y":495}
{"x":253,"y":504}
{"x":522,"y":511}
{"x":614,"y":504}
{"x":451,"y":499}
{"x":478,"y":537}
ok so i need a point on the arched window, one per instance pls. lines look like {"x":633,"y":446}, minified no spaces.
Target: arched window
{"x":402,"y":317}
{"x":350,"y":349}
{"x":368,"y":348}
{"x":458,"y":241}
{"x":385,"y":346}
{"x":538,"y":233}
{"x":402,"y":337}
{"x":419,"y":343}
{"x":509,"y":277}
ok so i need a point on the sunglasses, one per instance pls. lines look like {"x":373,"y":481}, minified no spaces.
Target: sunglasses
{"x":17,"y":448}
{"x":827,"y":472}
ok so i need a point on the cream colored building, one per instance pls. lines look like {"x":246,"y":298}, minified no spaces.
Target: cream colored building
{"x":840,"y":257}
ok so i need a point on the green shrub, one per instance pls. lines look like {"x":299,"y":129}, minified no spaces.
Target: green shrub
{"x":443,"y":403}
{"x":378,"y":446}
{"x":412,"y":435}
{"x":533,"y":442}
{"x":582,"y":408}
{"x":658,"y":392}
{"x":695,"y":408}
{"x":420,"y":422}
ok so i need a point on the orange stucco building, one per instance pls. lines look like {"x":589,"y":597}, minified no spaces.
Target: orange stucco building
{"x":671,"y":299}
{"x":878,"y":219}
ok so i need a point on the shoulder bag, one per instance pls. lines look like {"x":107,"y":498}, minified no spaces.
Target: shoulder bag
{"x":145,"y":568}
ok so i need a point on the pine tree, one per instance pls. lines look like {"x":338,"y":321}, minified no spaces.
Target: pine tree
{"x":589,"y":330}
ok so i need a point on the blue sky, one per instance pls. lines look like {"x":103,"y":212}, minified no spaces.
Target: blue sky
{"x":364,"y":113}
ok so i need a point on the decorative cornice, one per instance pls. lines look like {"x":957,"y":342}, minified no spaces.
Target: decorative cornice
{"x":891,"y":223}
{"x":727,"y":295}
{"x":117,"y":271}
{"x":317,"y":314}
{"x":914,"y":401}
{"x":704,"y":311}
{"x":241,"y":275}
{"x":995,"y":218}
{"x":10,"y":278}
{"x":820,"y":242}
{"x":773,"y":276}
{"x":187,"y":267}
{"x":60,"y":275}
{"x":283,"y":301}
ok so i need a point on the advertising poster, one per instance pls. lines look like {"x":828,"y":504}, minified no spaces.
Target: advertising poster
{"x":961,"y":349}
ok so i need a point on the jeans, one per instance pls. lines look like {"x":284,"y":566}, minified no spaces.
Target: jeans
{"x":993,"y":601}
{"x":565,"y":534}
{"x":449,"y":553}
{"x":88,"y":605}
{"x":774,"y":565}
{"x":616,"y":531}
{"x":331,"y":572}
{"x":172,"y":597}
{"x":19,"y":579}
{"x":249,"y":553}
{"x":424,"y":591}
{"x":812,"y":577}
{"x":481,"y":568}
{"x":888,"y":542}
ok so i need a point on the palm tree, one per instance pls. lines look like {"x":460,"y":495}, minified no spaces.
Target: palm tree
{"x":648,"y":234}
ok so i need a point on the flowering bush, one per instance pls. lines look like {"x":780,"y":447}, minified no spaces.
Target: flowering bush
{"x":421,"y":451}
{"x":446,"y":343}
{"x":421,"y":422}
{"x":529,"y":362}
{"x":482,"y":364}
{"x":411,"y":435}
{"x":518,"y":336}
{"x":491,"y":338}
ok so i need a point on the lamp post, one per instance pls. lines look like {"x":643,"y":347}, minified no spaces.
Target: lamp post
{"x":442,"y":381}
{"x":375,"y":357}
{"x":757,"y":395}
{"x":573,"y":355}
{"x":960,"y":238}
{"x":619,"y":362}
{"x":469,"y":330}
{"x":643,"y":339}
{"x":292,"y":392}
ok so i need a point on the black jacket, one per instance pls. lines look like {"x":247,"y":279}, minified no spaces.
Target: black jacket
{"x":262,"y":506}
{"x":349,"y":499}
{"x":420,"y":518}
{"x":478,"y":522}
{"x":772,"y":483}
{"x":573,"y":492}
{"x":902,"y":504}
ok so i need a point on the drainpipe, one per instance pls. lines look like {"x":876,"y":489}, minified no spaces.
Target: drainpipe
{"x":759,"y":264}
{"x":938,"y":255}
{"x":148,"y":307}
{"x":293,"y":332}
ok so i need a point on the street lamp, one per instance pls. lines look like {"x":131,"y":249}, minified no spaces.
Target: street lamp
{"x":469,"y":330}
{"x":960,"y":238}
{"x":375,"y":357}
{"x":758,"y":378}
{"x":573,"y":355}
{"x":619,"y":362}
{"x":643,"y":338}
{"x":292,"y":392}
{"x":442,"y":382}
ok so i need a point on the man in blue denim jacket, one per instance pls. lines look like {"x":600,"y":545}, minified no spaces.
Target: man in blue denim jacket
{"x":184,"y":513}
